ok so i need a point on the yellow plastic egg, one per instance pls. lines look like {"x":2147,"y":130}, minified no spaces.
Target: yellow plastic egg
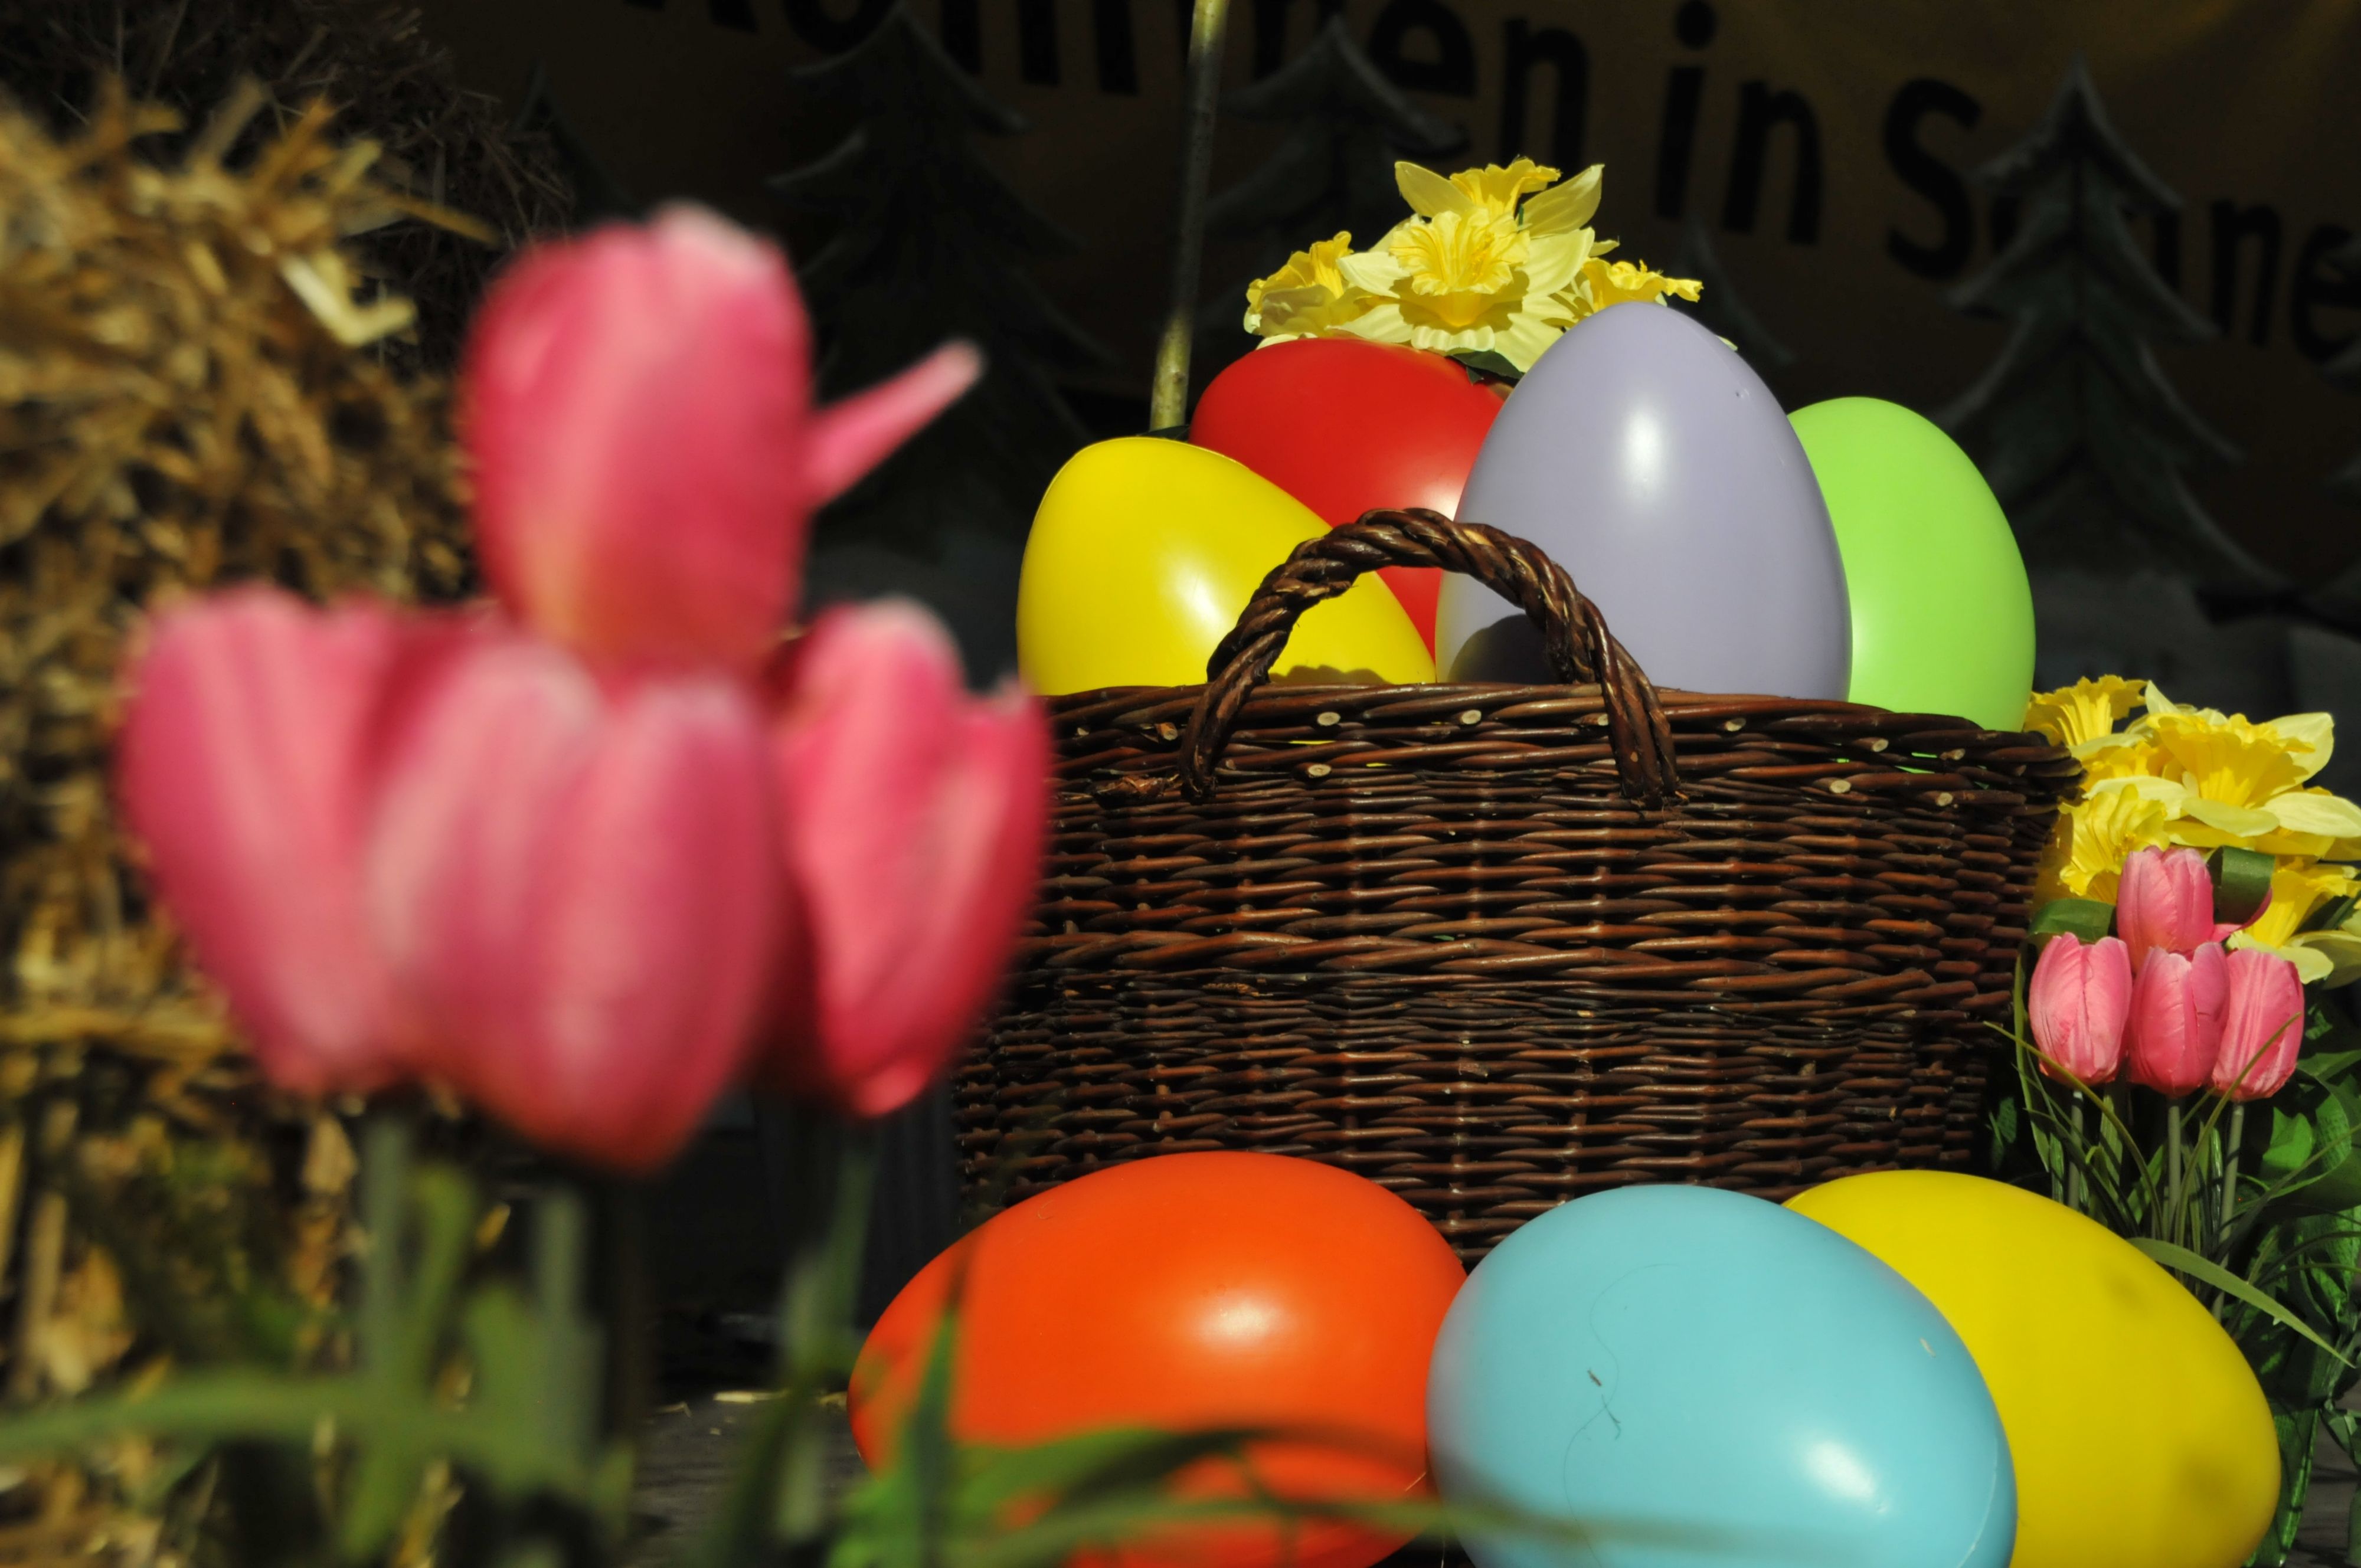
{"x":2140,"y":1437}
{"x":1142,"y":556}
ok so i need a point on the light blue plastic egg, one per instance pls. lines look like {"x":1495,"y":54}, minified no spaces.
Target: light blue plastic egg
{"x":1699,"y":1379}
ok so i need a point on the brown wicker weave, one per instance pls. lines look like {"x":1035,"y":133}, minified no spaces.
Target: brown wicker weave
{"x":1495,"y":947}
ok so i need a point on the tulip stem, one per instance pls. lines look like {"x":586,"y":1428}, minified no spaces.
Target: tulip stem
{"x":1168,"y":396}
{"x":2230,"y":1163}
{"x":2074,"y":1166}
{"x":2172,"y":1216}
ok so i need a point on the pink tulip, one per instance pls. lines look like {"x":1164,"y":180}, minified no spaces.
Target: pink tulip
{"x":578,"y":885}
{"x":2079,"y":999}
{"x":913,"y":828}
{"x":2262,"y":1025}
{"x":637,"y":407}
{"x":2165,"y":903}
{"x":2175,"y":1031}
{"x":244,"y":766}
{"x":556,"y":855}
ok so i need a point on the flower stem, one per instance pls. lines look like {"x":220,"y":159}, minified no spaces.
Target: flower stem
{"x":2173,"y":1218}
{"x":2074,"y":1192}
{"x":1168,"y":396}
{"x":2230,"y":1164}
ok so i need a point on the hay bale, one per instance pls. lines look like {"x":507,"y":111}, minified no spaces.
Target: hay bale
{"x":189,"y":394}
{"x":390,"y":82}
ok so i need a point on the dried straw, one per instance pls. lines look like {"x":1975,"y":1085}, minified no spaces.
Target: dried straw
{"x":189,"y":394}
{"x":390,"y":83}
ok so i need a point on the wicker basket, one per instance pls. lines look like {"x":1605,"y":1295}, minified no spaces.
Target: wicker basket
{"x":1459,"y":940}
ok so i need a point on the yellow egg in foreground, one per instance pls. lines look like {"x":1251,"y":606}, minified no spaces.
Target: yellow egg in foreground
{"x":2140,"y":1437}
{"x":1143,"y":554}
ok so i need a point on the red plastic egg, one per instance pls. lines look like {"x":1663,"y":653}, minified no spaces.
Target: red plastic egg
{"x":1345,"y":426}
{"x":1188,"y":1292}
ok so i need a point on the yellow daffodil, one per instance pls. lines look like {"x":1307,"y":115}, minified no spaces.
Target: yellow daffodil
{"x":2300,"y":888}
{"x":1309,"y":297}
{"x":2206,"y":779}
{"x":1493,"y":260}
{"x":2228,"y":780}
{"x":1470,"y":272}
{"x":1602,"y":283}
{"x":2086,"y":711}
{"x":2095,"y":834}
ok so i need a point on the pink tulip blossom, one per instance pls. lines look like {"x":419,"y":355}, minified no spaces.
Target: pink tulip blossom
{"x":245,"y":766}
{"x":573,"y":882}
{"x":573,"y":857}
{"x":2165,"y":903}
{"x":2077,"y":1001}
{"x":638,"y":408}
{"x":913,"y":831}
{"x":2262,"y":1025}
{"x":2175,"y":1031}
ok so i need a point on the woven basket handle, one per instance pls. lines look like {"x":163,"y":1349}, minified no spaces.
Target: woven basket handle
{"x":1581,"y":649}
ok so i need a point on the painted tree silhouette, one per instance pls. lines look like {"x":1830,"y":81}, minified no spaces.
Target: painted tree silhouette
{"x":2080,"y":435}
{"x":933,"y":243}
{"x":1347,"y":127}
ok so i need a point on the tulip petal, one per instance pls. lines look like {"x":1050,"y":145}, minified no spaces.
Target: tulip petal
{"x":244,"y":766}
{"x":2077,"y":1004}
{"x":634,"y":406}
{"x":2262,"y":1024}
{"x":2164,"y":903}
{"x":580,"y":886}
{"x":913,"y":822}
{"x":850,"y":438}
{"x":2175,"y":1031}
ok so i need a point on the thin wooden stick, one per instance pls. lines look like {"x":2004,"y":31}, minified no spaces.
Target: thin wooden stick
{"x":1169,"y":398}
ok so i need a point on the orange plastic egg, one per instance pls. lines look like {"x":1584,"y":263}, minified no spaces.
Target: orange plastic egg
{"x":1188,"y":1292}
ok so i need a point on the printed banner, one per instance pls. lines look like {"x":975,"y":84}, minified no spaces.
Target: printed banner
{"x":1824,"y":150}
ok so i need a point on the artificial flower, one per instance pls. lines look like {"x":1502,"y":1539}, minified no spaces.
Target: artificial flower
{"x":572,"y":881}
{"x":2174,"y":1031}
{"x":1469,"y":273}
{"x":2094,"y":838}
{"x":2300,"y":888}
{"x":621,"y":387}
{"x":913,"y":831}
{"x":2077,"y":1002}
{"x":2089,"y":709}
{"x":1602,"y":283}
{"x":547,"y":853}
{"x":244,"y":770}
{"x":2227,"y":780}
{"x":2262,"y":1025}
{"x":1309,"y":297}
{"x":2164,"y":904}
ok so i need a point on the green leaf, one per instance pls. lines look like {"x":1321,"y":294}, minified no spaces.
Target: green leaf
{"x":1490,"y":363}
{"x":2331,"y":915}
{"x":2085,"y":918}
{"x":2242,"y":880}
{"x":2186,"y":1262}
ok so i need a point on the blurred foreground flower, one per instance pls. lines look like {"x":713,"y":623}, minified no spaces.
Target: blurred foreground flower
{"x":557,"y":856}
{"x":913,"y":833}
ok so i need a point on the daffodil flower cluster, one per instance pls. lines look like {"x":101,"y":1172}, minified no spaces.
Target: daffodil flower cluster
{"x":1492,"y":261}
{"x":2202,"y":779}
